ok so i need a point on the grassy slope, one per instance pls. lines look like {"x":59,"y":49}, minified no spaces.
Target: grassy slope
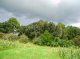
{"x":29,"y":53}
{"x":26,"y":51}
{"x":16,"y":50}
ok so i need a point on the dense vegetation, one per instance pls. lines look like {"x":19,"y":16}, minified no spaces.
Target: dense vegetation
{"x":41,"y":33}
{"x":17,"y":50}
{"x":39,"y":40}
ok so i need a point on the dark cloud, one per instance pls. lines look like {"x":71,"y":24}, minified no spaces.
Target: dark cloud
{"x":67,"y":11}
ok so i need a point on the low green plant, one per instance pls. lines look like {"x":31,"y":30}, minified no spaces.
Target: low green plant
{"x":44,"y":39}
{"x":65,"y":43}
{"x":23,"y":39}
{"x":1,"y":35}
{"x":62,"y":42}
{"x":48,"y":41}
{"x":5,"y":44}
{"x":77,"y":40}
{"x":65,"y":53}
{"x":10,"y":37}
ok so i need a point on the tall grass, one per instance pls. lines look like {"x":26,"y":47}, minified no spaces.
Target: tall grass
{"x":62,"y":53}
{"x":6,"y":44}
{"x":66,"y":53}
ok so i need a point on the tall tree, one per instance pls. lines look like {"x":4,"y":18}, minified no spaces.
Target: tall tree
{"x":10,"y":25}
{"x":72,"y":32}
{"x":59,"y":30}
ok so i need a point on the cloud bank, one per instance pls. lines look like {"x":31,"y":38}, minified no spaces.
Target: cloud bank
{"x":66,"y":11}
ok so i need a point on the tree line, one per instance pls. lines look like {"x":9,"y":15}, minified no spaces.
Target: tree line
{"x":43,"y":32}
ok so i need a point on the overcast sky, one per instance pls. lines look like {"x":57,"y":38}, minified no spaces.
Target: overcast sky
{"x":28,"y":11}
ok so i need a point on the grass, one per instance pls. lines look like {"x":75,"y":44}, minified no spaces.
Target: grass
{"x":16,"y":50}
{"x":28,"y":53}
{"x":69,"y":53}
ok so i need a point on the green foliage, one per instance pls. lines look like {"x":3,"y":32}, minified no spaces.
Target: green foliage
{"x":77,"y":40}
{"x":41,"y":32}
{"x":23,"y":39}
{"x":1,"y":35}
{"x":37,"y":41}
{"x":22,"y":30}
{"x":59,"y":31}
{"x":5,"y":44}
{"x":69,"y":53}
{"x":62,"y":42}
{"x":65,"y":43}
{"x":36,"y":29}
{"x":72,"y":32}
{"x":36,"y":52}
{"x":9,"y":26}
{"x":44,"y":39}
{"x":10,"y":36}
{"x":13,"y":22}
{"x":51,"y":27}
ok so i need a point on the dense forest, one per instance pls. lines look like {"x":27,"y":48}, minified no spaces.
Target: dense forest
{"x":41,"y":32}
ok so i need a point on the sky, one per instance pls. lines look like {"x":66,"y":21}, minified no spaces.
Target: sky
{"x":28,"y":11}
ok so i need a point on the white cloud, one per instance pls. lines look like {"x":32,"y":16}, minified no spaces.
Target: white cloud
{"x":54,"y":2}
{"x":75,"y":24}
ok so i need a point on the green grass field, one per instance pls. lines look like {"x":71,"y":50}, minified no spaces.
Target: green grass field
{"x":31,"y":51}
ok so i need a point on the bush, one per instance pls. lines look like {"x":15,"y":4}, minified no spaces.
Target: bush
{"x":10,"y":36}
{"x":61,"y":42}
{"x":37,"y":41}
{"x":65,"y":43}
{"x":23,"y":39}
{"x":77,"y":41}
{"x":1,"y":35}
{"x":5,"y":44}
{"x":44,"y":39}
{"x":54,"y":44}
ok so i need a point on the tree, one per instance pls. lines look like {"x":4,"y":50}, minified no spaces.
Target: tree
{"x":44,"y":39}
{"x":77,"y":40}
{"x":13,"y":22}
{"x":59,"y":31}
{"x":9,"y":26}
{"x":51,"y":28}
{"x":35,"y":29}
{"x":22,"y":30}
{"x":2,"y":27}
{"x":72,"y":32}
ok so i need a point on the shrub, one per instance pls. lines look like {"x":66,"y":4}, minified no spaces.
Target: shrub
{"x":65,"y":43}
{"x":37,"y":41}
{"x":44,"y":39}
{"x":10,"y":36}
{"x":23,"y":39}
{"x":54,"y":44}
{"x":62,"y":43}
{"x":69,"y":53}
{"x":1,"y":35}
{"x":77,"y":41}
{"x":5,"y":44}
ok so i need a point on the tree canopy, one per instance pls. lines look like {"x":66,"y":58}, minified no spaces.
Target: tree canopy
{"x":9,"y":26}
{"x":43,"y":30}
